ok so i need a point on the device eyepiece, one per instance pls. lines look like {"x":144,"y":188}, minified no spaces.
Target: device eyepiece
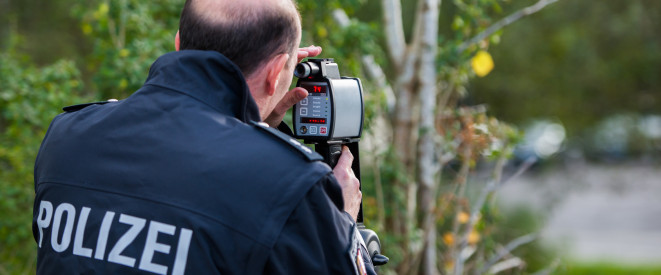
{"x":306,"y":69}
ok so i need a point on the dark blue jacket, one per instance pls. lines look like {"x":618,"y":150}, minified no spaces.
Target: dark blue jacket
{"x":176,"y":179}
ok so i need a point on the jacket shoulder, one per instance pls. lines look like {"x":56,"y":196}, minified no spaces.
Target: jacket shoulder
{"x":78,"y":107}
{"x":306,"y":152}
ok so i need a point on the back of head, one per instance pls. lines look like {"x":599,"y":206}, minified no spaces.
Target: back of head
{"x":248,"y":32}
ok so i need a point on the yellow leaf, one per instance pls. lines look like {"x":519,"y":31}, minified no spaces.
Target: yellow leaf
{"x":104,"y":8}
{"x":124,"y":53}
{"x":482,"y":63}
{"x":322,"y":32}
{"x":123,"y":84}
{"x":449,"y":266}
{"x":473,"y":237}
{"x":101,"y":11}
{"x":448,"y":238}
{"x":87,"y":28}
{"x":463,"y":217}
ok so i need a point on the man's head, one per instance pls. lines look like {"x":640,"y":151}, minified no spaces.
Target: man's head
{"x":260,"y":36}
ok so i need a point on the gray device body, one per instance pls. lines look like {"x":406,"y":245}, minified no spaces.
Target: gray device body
{"x":333,"y":109}
{"x":331,"y":117}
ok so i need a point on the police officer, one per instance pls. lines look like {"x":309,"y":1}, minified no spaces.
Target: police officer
{"x":184,"y":177}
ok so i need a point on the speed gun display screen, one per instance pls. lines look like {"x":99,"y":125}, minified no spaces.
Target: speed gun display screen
{"x":316,"y":90}
{"x":313,"y":120}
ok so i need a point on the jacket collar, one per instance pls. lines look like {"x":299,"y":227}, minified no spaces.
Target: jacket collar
{"x":209,"y":77}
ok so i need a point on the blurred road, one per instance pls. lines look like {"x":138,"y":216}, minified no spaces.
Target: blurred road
{"x":597,"y":212}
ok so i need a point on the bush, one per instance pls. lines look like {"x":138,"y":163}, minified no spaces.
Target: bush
{"x":29,"y":99}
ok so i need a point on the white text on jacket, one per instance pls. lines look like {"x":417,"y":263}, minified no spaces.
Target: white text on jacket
{"x":60,"y":221}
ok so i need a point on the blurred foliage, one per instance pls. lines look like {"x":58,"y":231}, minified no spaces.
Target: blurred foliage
{"x":127,"y":36}
{"x":578,"y":62}
{"x":29,"y":99}
{"x":518,"y":221}
{"x":46,"y":28}
{"x":608,"y":268}
{"x":346,"y":45}
{"x":481,"y":143}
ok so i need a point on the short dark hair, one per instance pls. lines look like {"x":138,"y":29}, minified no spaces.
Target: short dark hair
{"x":246,"y":40}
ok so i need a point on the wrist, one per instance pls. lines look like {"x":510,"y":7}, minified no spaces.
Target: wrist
{"x":353,"y":219}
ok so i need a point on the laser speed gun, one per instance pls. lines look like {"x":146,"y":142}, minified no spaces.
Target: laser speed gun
{"x":330,"y":117}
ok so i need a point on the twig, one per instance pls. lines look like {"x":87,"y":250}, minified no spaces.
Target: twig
{"x":475,"y":212}
{"x":123,"y":17}
{"x":504,"y":22}
{"x":373,"y":70}
{"x":392,"y":21}
{"x":491,"y":187}
{"x":522,"y":168}
{"x":549,"y":269}
{"x":112,"y":30}
{"x":507,"y":249}
{"x":378,"y":186}
{"x":507,"y":264}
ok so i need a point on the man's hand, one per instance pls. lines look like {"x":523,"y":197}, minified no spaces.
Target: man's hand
{"x":310,"y":51}
{"x":349,"y":183}
{"x":295,"y":95}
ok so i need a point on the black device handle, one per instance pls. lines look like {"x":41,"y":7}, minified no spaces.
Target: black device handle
{"x":332,"y":152}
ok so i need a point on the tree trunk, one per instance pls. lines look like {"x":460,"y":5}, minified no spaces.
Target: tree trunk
{"x":427,"y":165}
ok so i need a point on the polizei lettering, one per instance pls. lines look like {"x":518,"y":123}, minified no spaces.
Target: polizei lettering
{"x":69,"y":232}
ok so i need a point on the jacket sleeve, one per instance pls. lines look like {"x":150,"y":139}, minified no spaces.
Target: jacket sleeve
{"x":317,"y":236}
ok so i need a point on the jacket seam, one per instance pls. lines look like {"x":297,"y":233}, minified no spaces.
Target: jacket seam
{"x":298,"y":203}
{"x":187,"y":94}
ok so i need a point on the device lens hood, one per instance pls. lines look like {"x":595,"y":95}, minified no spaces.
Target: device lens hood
{"x":306,"y":69}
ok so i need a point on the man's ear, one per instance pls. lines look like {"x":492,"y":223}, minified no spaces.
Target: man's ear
{"x":176,"y":41}
{"x":274,"y":68}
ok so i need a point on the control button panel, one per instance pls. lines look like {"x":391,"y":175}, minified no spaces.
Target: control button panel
{"x":313,"y":114}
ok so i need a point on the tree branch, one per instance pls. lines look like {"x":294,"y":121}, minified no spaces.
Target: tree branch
{"x":490,"y":188}
{"x":428,"y":91}
{"x":373,"y":70}
{"x":507,"y":249}
{"x":507,"y":264}
{"x":123,"y":17}
{"x":377,"y":75}
{"x":504,"y":22}
{"x":548,"y":270}
{"x":418,"y":27}
{"x":392,"y":21}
